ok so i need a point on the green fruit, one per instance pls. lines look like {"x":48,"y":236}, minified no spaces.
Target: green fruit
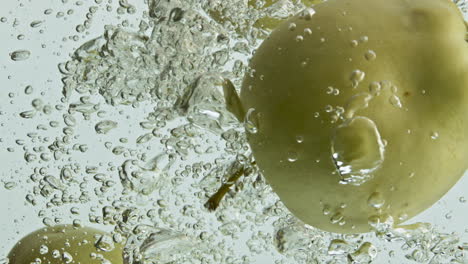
{"x":360,"y":108}
{"x":66,"y":244}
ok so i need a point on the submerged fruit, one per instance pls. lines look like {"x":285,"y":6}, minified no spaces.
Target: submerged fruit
{"x":377,"y":91}
{"x":66,"y":244}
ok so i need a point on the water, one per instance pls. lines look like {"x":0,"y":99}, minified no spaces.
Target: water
{"x":357,"y":150}
{"x":146,"y":128}
{"x":20,"y":55}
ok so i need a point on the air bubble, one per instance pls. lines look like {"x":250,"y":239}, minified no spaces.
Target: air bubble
{"x":292,"y":156}
{"x":395,"y":101}
{"x":28,"y":114}
{"x":338,"y":247}
{"x":307,"y":13}
{"x":326,"y":210}
{"x":299,"y":139}
{"x":292,"y":26}
{"x":36,"y":23}
{"x":28,"y":89}
{"x":364,"y":39}
{"x":105,"y":126}
{"x":370,"y":55}
{"x":356,"y":77}
{"x":374,"y":88}
{"x":20,"y":55}
{"x":251,"y":121}
{"x":376,"y":200}
{"x":336,"y":218}
{"x":357,"y":150}
{"x":43,"y":249}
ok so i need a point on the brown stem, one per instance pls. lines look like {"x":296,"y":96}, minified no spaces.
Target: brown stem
{"x":213,"y":203}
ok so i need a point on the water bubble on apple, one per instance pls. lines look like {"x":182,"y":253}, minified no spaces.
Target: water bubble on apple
{"x":370,"y":55}
{"x":357,"y":150}
{"x":251,"y":121}
{"x":356,"y":77}
{"x":376,"y":200}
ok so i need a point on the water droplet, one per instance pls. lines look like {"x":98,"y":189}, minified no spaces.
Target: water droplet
{"x":28,"y":114}
{"x":20,"y":55}
{"x":28,"y":89}
{"x":105,"y":126}
{"x":336,"y":218}
{"x":36,"y":23}
{"x":37,"y":104}
{"x":395,"y":101}
{"x":307,"y":13}
{"x":338,"y":247}
{"x":356,"y":77}
{"x":251,"y":121}
{"x":434,"y":135}
{"x":374,"y":88}
{"x":144,"y":138}
{"x":43,"y":249}
{"x":354,"y":43}
{"x":376,"y":200}
{"x":365,"y":254}
{"x":357,"y":150}
{"x":105,"y":243}
{"x":356,"y":103}
{"x":299,"y":38}
{"x":326,"y":210}
{"x":402,"y":216}
{"x":370,"y":55}
{"x":448,"y":215}
{"x":292,"y":156}
{"x":67,"y":257}
{"x":10,"y":185}
{"x":292,"y":26}
{"x":364,"y":39}
{"x":307,"y":31}
{"x":299,"y":139}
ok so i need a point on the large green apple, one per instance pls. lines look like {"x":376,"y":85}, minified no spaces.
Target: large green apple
{"x":361,"y":110}
{"x":66,"y":244}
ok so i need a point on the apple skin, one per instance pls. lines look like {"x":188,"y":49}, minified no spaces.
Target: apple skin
{"x":418,"y":48}
{"x":64,"y":238}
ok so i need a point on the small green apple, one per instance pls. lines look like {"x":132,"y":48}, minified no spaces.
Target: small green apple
{"x":360,"y":108}
{"x":66,"y":244}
